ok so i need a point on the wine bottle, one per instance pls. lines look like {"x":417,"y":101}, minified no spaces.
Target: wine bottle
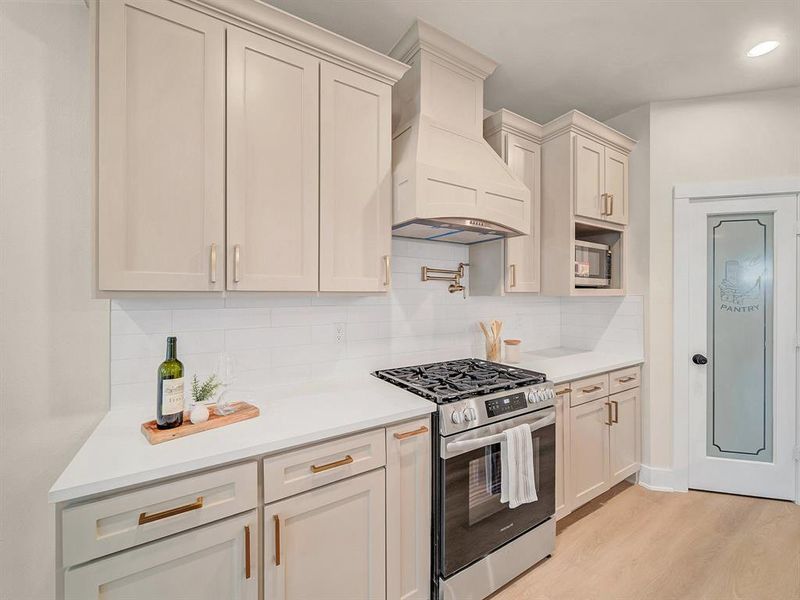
{"x":169,"y":404}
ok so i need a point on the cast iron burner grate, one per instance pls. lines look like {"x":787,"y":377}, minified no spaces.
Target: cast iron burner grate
{"x":453,"y":380}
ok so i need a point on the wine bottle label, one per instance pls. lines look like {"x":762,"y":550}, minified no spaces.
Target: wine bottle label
{"x":172,"y":396}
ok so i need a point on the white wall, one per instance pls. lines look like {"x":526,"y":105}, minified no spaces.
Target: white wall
{"x":734,"y":137}
{"x":53,"y":337}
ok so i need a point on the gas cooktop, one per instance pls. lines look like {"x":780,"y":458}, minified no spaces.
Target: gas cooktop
{"x":453,"y":380}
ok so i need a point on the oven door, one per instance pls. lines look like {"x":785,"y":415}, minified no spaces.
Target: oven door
{"x":473,"y":521}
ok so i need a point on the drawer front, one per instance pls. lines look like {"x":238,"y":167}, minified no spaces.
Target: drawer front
{"x":586,"y":390}
{"x":111,"y":524}
{"x":308,"y":468}
{"x":624,"y":379}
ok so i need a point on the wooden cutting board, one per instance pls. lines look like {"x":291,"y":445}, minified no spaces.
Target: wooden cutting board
{"x":241,"y":412}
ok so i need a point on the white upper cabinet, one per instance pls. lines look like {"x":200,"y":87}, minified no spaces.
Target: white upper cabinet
{"x":199,"y":120}
{"x":273,"y":165}
{"x":589,"y":178}
{"x":161,"y":153}
{"x":616,"y":186}
{"x":522,"y":252}
{"x":355,"y":190}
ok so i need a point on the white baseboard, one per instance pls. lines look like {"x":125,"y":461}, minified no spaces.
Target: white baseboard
{"x":657,"y":479}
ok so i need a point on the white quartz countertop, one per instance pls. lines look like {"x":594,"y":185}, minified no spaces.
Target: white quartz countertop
{"x":117,"y":455}
{"x":567,"y":364}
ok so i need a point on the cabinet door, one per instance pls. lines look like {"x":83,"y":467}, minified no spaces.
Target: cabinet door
{"x":273,"y":162}
{"x":328,"y":543}
{"x":625,"y":454}
{"x":562,"y":449}
{"x":589,"y":178}
{"x":589,"y":449}
{"x":408,"y":510}
{"x":161,"y":155}
{"x":355,"y":182}
{"x":522,"y":252}
{"x":616,"y":176}
{"x":208,"y":563}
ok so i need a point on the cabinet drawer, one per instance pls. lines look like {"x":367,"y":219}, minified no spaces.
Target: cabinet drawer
{"x":591,"y":388}
{"x":111,"y":524}
{"x":308,"y":468}
{"x":624,"y":379}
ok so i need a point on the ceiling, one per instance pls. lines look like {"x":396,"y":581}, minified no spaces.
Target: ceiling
{"x":602,"y":57}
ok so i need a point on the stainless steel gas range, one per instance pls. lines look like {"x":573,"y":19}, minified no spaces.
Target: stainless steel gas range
{"x":479,"y":543}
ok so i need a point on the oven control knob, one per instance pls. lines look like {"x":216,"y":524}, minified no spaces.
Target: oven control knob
{"x":551,"y":393}
{"x":533,"y":396}
{"x":455,"y":417}
{"x":470,"y":414}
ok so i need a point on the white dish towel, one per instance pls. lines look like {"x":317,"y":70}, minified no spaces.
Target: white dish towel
{"x":517,"y":477}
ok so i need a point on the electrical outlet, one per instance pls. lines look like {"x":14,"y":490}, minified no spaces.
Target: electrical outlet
{"x":339,"y":334}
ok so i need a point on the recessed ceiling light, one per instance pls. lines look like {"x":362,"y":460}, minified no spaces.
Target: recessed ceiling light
{"x":762,"y":48}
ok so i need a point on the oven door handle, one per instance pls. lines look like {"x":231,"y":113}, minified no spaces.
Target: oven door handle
{"x":467,"y":445}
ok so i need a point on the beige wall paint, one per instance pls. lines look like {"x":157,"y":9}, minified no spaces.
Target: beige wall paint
{"x":735,"y":137}
{"x":53,"y":336}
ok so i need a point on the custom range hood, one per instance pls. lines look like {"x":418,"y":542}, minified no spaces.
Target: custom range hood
{"x":449,"y":184}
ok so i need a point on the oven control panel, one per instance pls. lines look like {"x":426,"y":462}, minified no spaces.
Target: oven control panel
{"x":504,"y":405}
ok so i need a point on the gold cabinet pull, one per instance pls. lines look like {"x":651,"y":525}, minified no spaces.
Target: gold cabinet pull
{"x":387,"y":265}
{"x":247,"y":551}
{"x":610,"y":420}
{"x":213,"y":261}
{"x":564,"y":391}
{"x":604,"y":198}
{"x":610,"y":204}
{"x":616,"y":411}
{"x":594,"y":388}
{"x":277,"y":521}
{"x":408,"y":434}
{"x":513,"y":268}
{"x":339,"y":463}
{"x":626,"y":379}
{"x":236,"y":253}
{"x":170,"y":512}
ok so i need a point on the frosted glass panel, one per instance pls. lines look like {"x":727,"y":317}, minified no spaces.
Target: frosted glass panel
{"x":740,"y":274}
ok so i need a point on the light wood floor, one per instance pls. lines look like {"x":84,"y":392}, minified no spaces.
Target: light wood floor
{"x":634,"y":543}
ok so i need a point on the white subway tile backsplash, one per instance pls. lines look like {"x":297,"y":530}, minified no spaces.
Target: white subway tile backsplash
{"x":280,"y":337}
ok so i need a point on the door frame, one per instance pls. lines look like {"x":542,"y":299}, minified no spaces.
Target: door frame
{"x":684,"y":196}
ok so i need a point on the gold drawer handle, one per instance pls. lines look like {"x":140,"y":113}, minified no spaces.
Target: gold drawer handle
{"x":408,"y":434}
{"x":171,"y":512}
{"x":277,"y":521}
{"x":610,"y":419}
{"x":626,"y":379}
{"x":247,"y":551}
{"x":564,"y":391}
{"x":339,"y":463}
{"x":594,"y":388}
{"x":616,"y":411}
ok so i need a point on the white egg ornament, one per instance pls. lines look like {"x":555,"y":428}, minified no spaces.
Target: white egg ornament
{"x":199,"y":414}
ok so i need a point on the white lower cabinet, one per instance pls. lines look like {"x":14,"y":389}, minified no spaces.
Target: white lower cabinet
{"x":408,"y":510}
{"x":625,"y":447}
{"x":328,"y":543}
{"x":562,"y":449}
{"x":588,"y":451}
{"x":215,"y":561}
{"x":603,"y":440}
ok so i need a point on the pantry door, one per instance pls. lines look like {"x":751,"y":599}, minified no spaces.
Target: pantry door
{"x":742,"y":328}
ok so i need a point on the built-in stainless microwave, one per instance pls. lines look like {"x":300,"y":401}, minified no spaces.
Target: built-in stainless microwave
{"x":592,"y":264}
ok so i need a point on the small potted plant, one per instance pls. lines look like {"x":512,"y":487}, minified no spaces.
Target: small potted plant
{"x":202,"y":393}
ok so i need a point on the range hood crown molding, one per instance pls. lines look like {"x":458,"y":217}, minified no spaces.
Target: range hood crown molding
{"x":423,"y":36}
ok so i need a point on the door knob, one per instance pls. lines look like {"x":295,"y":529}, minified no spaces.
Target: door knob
{"x":699,"y":359}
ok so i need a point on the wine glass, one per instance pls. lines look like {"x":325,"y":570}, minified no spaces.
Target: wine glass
{"x":226,"y":375}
